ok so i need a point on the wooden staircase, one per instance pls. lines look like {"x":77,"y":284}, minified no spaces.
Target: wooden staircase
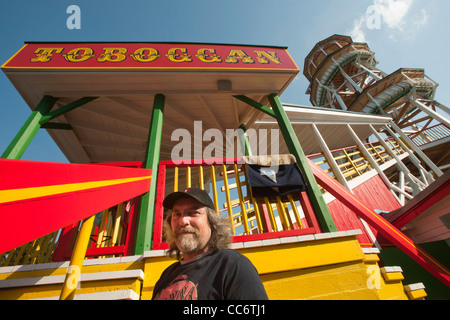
{"x":317,"y":267}
{"x":101,"y":279}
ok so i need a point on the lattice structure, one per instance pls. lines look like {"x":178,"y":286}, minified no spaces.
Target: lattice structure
{"x":343,"y":75}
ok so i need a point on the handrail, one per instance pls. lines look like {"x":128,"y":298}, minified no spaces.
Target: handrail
{"x":432,"y":134}
{"x":251,"y":219}
{"x":112,"y":235}
{"x":352,"y":162}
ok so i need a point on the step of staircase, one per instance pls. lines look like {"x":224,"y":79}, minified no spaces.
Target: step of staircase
{"x":99,"y":280}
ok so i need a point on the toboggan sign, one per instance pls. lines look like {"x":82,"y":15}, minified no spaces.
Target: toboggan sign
{"x":150,"y":55}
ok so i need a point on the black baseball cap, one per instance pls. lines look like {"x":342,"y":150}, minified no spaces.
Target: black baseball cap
{"x":195,"y":193}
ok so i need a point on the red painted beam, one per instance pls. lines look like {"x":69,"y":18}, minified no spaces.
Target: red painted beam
{"x":159,"y":209}
{"x":274,"y":235}
{"x":106,"y":251}
{"x":201,"y":162}
{"x":434,"y":193}
{"x":37,"y":198}
{"x":382,"y":225}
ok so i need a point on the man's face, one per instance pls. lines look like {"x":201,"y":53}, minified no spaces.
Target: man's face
{"x":190,"y":227}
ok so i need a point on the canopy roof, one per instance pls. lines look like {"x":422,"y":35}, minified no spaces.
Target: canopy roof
{"x":197,"y":80}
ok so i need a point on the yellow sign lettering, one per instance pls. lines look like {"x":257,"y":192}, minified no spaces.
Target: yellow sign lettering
{"x":113,"y":55}
{"x":79,"y":54}
{"x":145,"y":55}
{"x":205,"y":56}
{"x":44,"y":54}
{"x":263,"y":56}
{"x":174,"y":57}
{"x":234,"y":55}
{"x":208,"y":55}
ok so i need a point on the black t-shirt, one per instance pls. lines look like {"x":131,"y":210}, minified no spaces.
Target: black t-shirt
{"x":216,"y":275}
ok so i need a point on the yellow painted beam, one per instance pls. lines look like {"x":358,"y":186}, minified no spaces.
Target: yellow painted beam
{"x":417,"y":294}
{"x":302,"y":255}
{"x":37,"y":192}
{"x":154,"y":267}
{"x":331,"y":282}
{"x":331,"y":268}
{"x":76,"y":262}
{"x":392,"y":276}
{"x":54,"y":290}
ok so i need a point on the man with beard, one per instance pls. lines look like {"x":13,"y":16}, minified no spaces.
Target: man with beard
{"x":207,"y":269}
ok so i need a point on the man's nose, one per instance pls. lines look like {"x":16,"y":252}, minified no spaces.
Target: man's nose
{"x":185,"y":220}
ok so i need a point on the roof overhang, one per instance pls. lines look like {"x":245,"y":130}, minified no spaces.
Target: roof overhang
{"x":332,"y":125}
{"x":197,"y":80}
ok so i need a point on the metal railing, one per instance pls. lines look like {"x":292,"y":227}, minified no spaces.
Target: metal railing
{"x":429,"y":135}
{"x":111,"y":236}
{"x":225,"y":180}
{"x":34,"y":252}
{"x":352,"y":162}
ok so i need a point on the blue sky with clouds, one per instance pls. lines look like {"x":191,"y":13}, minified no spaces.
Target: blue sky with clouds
{"x":403,"y":33}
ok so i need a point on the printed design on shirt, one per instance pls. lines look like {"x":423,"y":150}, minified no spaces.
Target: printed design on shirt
{"x":179,"y":289}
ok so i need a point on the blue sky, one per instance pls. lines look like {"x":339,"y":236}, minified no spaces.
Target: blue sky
{"x":410,"y":33}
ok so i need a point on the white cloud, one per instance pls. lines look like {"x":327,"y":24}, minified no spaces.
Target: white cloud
{"x":392,"y":16}
{"x":421,"y":21}
{"x":393,"y":12}
{"x":357,"y":33}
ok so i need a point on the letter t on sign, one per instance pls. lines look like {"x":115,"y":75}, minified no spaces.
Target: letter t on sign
{"x":74,"y":21}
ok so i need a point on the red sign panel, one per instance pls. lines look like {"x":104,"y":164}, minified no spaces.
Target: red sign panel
{"x":150,"y":55}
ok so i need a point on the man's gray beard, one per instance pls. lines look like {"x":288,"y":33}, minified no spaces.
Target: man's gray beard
{"x":188,"y":243}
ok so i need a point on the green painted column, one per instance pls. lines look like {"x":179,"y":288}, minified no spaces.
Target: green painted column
{"x":315,"y":196}
{"x":22,"y":140}
{"x":67,"y":108}
{"x":40,"y":118}
{"x":245,"y":143}
{"x":144,"y":228}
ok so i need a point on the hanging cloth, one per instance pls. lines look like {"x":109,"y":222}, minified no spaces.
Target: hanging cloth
{"x":272,"y":176}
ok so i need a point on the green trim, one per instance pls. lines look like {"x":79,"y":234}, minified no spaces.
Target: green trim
{"x":245,"y":142}
{"x":40,"y":118}
{"x":59,"y":126}
{"x":315,"y":196}
{"x":22,"y":140}
{"x":157,"y":42}
{"x":256,"y":105}
{"x":144,"y":228}
{"x":63,"y":110}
